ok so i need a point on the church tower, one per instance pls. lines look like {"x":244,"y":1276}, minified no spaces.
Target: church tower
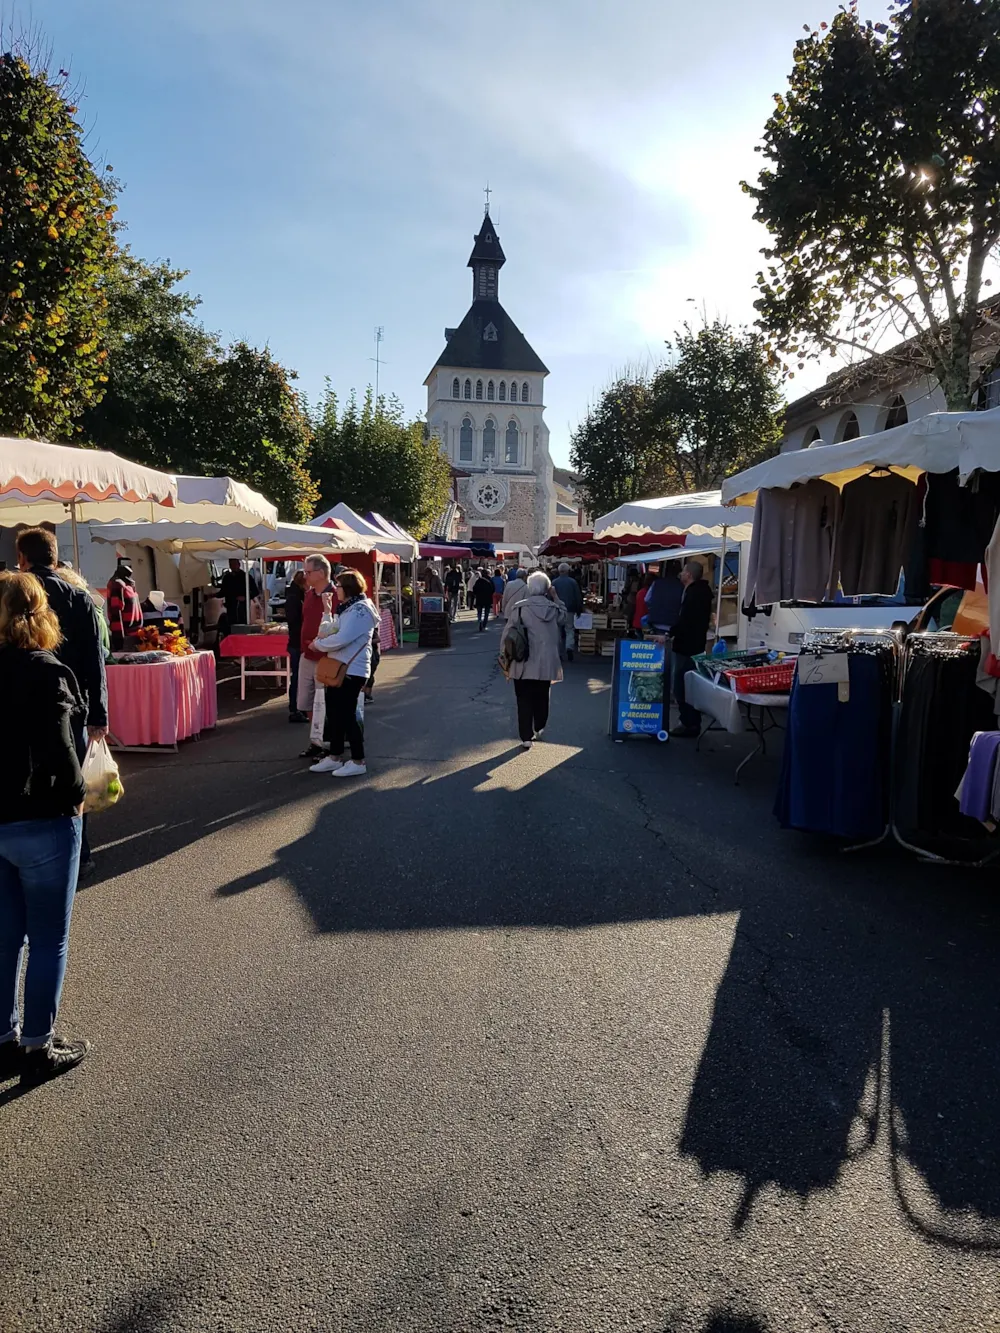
{"x":485,"y":403}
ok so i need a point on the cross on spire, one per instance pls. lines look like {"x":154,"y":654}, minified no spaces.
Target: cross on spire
{"x":487,"y":193}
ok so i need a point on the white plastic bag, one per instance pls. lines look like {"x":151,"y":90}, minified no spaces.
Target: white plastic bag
{"x":318,"y":718}
{"x":100,"y":773}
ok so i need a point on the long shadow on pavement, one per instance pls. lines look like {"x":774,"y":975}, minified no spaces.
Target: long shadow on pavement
{"x":859,"y":1008}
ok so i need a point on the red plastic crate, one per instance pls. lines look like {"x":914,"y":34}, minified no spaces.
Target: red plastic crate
{"x":775,"y":678}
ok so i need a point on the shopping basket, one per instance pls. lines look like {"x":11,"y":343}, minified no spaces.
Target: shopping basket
{"x":774,"y":678}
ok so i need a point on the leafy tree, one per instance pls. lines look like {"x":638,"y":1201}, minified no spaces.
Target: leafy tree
{"x":371,"y":458}
{"x":178,"y":400}
{"x":882,"y":189}
{"x":622,"y":450}
{"x":56,"y":245}
{"x":719,"y":401}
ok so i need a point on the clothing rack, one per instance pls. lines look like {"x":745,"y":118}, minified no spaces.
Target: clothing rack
{"x":904,"y":648}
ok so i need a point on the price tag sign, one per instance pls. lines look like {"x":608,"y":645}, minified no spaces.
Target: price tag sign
{"x":826,"y":669}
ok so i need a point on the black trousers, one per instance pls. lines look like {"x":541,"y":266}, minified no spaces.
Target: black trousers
{"x":342,"y":719}
{"x":532,"y":706}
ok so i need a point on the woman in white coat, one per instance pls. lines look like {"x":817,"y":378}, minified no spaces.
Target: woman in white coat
{"x":540,"y":613}
{"x":350,"y":643}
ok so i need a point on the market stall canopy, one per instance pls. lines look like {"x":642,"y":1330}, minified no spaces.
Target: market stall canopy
{"x":673,"y":553}
{"x":283,"y":541}
{"x":438,"y":551}
{"x":700,"y":513}
{"x":38,"y":481}
{"x":388,"y":547}
{"x":582,"y":545}
{"x":939,"y":442}
{"x":393,"y":529}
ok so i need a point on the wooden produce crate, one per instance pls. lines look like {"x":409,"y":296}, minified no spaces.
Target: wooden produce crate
{"x":586,"y":641}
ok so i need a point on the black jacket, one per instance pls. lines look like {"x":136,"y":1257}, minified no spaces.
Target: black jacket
{"x":294,"y":598}
{"x":690,"y":633}
{"x":482,"y":592}
{"x":40,"y":775}
{"x":81,"y":649}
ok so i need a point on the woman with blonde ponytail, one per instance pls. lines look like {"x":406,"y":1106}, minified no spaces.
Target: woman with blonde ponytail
{"x":41,"y":803}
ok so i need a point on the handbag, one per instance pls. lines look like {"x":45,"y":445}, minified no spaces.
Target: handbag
{"x":330,"y":672}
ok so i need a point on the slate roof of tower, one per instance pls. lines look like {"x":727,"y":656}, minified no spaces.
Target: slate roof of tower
{"x":487,"y":246}
{"x":468,"y":350}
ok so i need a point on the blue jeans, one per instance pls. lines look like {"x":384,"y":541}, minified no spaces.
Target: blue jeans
{"x":39,"y":862}
{"x":680,"y":666}
{"x":293,"y":687}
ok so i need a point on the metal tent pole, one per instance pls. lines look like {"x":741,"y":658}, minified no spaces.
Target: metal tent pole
{"x":76,"y":536}
{"x":399,"y":599}
{"x":721,"y":575}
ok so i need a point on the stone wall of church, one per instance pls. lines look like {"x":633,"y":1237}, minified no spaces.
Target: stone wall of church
{"x":516,"y":517}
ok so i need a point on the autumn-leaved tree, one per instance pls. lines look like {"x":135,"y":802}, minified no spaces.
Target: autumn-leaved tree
{"x":372,"y":458}
{"x":56,"y":245}
{"x":882,"y":187}
{"x":622,"y":449}
{"x":717,"y":404}
{"x":178,"y":400}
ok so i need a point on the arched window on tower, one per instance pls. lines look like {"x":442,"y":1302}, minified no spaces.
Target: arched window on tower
{"x":524,"y":392}
{"x":848,"y":429}
{"x":455,"y":387}
{"x":510,"y":450}
{"x":812,"y":437}
{"x":479,"y":391}
{"x":513,"y":391}
{"x":468,"y":388}
{"x":489,"y":439}
{"x":897,"y":414}
{"x":491,"y":392}
{"x":465,"y":441}
{"x":502,"y":391}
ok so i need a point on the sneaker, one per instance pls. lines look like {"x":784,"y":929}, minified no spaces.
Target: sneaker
{"x":298,"y":717}
{"x":349,"y":770}
{"x":312,"y":752}
{"x":539,"y":734}
{"x":526,"y":745}
{"x":11,"y":1059}
{"x":56,"y":1057}
{"x":326,"y":765}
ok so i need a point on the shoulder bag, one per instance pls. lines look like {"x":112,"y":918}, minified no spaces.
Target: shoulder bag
{"x":330,"y":672}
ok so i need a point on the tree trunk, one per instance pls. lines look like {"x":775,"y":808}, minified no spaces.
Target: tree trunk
{"x":955,"y":375}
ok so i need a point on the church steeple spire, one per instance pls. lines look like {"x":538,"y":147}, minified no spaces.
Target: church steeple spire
{"x":486,"y":261}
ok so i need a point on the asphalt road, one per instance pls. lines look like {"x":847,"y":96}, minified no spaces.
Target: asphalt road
{"x":569,"y":1040}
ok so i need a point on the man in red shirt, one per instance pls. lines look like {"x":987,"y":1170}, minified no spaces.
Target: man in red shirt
{"x":317,"y":571}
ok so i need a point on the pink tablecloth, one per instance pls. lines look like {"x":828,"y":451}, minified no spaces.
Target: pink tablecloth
{"x":161,"y":703}
{"x":254,"y":645}
{"x":387,"y":631}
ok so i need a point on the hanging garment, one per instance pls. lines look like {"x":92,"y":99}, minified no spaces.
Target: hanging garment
{"x":875,"y":534}
{"x":951,"y":574}
{"x":993,"y":580}
{"x":941,"y":711}
{"x":835,"y":769}
{"x":977,"y":784}
{"x":791,"y":551}
{"x":959,"y":520}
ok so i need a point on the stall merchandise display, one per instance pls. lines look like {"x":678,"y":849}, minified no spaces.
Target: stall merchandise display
{"x":163,"y":702}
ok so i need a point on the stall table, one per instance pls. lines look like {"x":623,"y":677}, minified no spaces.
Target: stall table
{"x":257,"y":645}
{"x":161,"y":703}
{"x":734,"y":712}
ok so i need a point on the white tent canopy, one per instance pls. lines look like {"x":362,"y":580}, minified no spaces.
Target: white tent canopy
{"x":33,"y":472}
{"x":680,"y":553}
{"x":402,"y":546}
{"x":229,"y":501}
{"x":208,"y":539}
{"x":700,"y":513}
{"x":939,"y":442}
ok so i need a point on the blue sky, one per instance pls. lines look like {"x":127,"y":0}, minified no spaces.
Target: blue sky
{"x":318,"y":165}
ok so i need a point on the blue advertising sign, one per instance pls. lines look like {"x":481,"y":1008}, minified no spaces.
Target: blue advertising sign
{"x":639,"y":696}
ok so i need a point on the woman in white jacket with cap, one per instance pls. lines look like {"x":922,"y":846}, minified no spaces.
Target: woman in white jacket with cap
{"x":350,"y":643}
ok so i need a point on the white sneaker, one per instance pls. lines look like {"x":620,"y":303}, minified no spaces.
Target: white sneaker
{"x":539,"y":734}
{"x":327,"y":765}
{"x":350,"y":770}
{"x":526,"y":745}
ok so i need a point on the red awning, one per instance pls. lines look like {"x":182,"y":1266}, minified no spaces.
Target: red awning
{"x":584,"y":547}
{"x":432,"y":551}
